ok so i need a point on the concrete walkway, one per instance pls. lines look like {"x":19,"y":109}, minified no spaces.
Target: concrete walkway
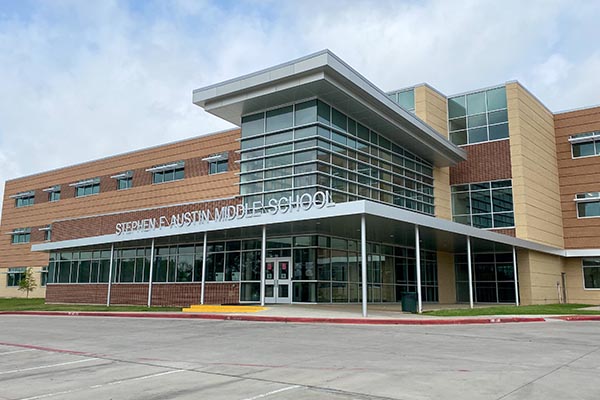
{"x":378,"y":314}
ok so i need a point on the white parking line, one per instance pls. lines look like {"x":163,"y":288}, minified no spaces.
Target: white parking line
{"x":15,"y":351}
{"x":46,"y":366}
{"x":260,"y":396}
{"x":139,"y":378}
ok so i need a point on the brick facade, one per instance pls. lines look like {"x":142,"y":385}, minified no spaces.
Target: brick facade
{"x":485,"y":162}
{"x":577,"y":175}
{"x":105,"y":224}
{"x":507,"y":231}
{"x":163,"y":294}
{"x":81,"y":294}
{"x":196,"y":187}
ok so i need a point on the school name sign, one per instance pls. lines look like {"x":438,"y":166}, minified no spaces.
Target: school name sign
{"x":283,"y":205}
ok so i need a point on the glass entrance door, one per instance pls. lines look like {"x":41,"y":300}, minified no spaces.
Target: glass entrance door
{"x":277,"y":280}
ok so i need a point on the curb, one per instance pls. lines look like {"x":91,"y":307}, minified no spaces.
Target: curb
{"x":579,"y":318}
{"x":305,"y":320}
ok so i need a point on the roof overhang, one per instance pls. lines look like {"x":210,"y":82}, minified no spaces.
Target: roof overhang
{"x":327,"y":77}
{"x":383,"y":222}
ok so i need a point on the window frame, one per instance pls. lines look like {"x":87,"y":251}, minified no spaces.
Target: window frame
{"x":583,"y":267}
{"x":592,"y":137}
{"x":25,"y":200}
{"x":490,"y":190}
{"x":44,"y":275}
{"x":485,"y":113}
{"x":409,"y":182}
{"x":217,"y":164}
{"x":47,"y":233}
{"x":93,"y":184}
{"x":52,"y":194}
{"x":21,"y":271}
{"x":21,"y":233}
{"x":128,"y":183}
{"x":53,"y":191}
{"x":175,"y":168}
{"x":578,"y":200}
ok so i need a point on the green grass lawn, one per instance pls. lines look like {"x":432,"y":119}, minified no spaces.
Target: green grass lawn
{"x":15,"y":304}
{"x":546,"y":309}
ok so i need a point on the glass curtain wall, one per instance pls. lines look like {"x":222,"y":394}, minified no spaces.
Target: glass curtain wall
{"x":312,"y":146}
{"x":493,"y":278}
{"x":484,"y":204}
{"x":478,"y":117}
{"x":404,"y":98}
{"x":325,"y":269}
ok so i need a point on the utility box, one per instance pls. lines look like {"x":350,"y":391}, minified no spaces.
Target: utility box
{"x":409,"y":302}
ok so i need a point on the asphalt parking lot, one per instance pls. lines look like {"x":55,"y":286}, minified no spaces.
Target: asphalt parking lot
{"x":135,"y":358}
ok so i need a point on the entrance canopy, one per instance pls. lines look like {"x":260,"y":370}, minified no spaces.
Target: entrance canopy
{"x":385,"y":224}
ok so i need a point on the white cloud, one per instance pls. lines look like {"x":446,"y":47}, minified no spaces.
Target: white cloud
{"x":555,"y":69}
{"x":82,"y":80}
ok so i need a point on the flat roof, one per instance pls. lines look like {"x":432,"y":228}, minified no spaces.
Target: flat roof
{"x":326,"y":76}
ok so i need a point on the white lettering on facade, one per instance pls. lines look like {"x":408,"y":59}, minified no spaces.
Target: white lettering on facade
{"x":283,"y":205}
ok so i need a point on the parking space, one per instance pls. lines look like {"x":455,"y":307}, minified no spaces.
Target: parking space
{"x":136,"y":358}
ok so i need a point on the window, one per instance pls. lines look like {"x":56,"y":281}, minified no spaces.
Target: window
{"x":343,"y":156}
{"x":484,"y":204}
{"x":21,"y":235}
{"x":53,"y":193}
{"x":124,"y":180}
{"x":14,"y":276}
{"x":585,"y":144}
{"x":44,"y":276}
{"x":124,"y":183}
{"x":216,"y":167}
{"x":47,"y":232}
{"x":79,"y":267}
{"x":478,"y":117}
{"x":591,"y":273}
{"x":218,"y":162}
{"x":87,"y":187}
{"x":492,"y":276}
{"x":167,"y":172}
{"x":54,"y":196}
{"x":24,"y":199}
{"x":404,"y":98}
{"x":588,"y":204}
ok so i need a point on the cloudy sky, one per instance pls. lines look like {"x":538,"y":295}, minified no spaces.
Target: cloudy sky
{"x":82,"y":79}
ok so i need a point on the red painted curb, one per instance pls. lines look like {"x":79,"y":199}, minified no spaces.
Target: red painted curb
{"x":258,"y":318}
{"x":579,"y":318}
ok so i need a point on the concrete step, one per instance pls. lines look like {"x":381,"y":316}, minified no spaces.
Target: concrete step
{"x":213,"y":308}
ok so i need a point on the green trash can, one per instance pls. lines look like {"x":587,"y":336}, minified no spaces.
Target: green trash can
{"x":409,"y":302}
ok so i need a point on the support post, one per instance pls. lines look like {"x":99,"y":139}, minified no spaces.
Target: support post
{"x":263,"y":263}
{"x":470,"y":265}
{"x":110,"y":273}
{"x":418,"y":262}
{"x":151,"y":273}
{"x":363,"y":262}
{"x":514,"y":251}
{"x":204,"y":246}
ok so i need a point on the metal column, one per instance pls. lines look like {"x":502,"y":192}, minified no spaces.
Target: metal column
{"x":203,"y":268}
{"x":363,"y":260}
{"x":110,"y":269}
{"x":514,"y":251}
{"x":469,"y":263}
{"x":418,"y":261}
{"x":151,"y":272}
{"x":263,"y":262}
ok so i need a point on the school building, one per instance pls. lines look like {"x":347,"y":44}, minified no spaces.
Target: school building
{"x":329,"y":191}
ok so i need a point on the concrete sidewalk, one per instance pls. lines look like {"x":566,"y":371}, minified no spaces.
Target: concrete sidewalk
{"x":379,"y":314}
